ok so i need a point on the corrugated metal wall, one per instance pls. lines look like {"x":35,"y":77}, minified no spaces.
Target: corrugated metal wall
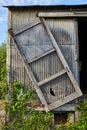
{"x":64,"y":31}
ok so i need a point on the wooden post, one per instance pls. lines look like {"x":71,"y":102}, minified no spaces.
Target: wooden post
{"x":72,"y":118}
{"x":77,"y":115}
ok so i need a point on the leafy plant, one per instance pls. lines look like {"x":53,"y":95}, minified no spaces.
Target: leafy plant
{"x":81,"y":124}
{"x":2,"y":71}
{"x":22,"y":119}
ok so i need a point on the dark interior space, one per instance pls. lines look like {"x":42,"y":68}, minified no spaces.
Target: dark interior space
{"x":82,"y":35}
{"x":60,"y":118}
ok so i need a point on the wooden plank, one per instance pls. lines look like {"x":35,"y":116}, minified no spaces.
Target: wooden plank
{"x":8,"y":51}
{"x":77,"y":115}
{"x":63,"y":101}
{"x":25,"y":27}
{"x":66,"y":107}
{"x":51,"y":78}
{"x":36,"y":108}
{"x":29,"y":72}
{"x":41,"y":56}
{"x":62,"y":59}
{"x":34,"y":105}
{"x":62,"y":14}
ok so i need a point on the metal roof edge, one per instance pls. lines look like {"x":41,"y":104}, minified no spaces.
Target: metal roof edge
{"x":23,"y":6}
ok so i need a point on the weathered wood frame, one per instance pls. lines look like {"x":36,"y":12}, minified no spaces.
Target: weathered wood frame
{"x":39,"y":92}
{"x":63,"y":14}
{"x":66,"y":67}
{"x":63,"y":61}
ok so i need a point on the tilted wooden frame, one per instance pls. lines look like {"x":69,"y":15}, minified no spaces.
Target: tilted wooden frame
{"x":66,"y":68}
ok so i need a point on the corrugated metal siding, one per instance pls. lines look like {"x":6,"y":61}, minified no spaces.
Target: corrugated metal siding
{"x":17,"y":70}
{"x":64,"y":33}
{"x":22,"y":17}
{"x":61,"y":87}
{"x":37,"y":41}
{"x":46,"y":66}
{"x":63,"y":30}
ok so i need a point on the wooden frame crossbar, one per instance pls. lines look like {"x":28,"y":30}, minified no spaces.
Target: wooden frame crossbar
{"x":62,"y":101}
{"x":41,"y":56}
{"x":57,"y":75}
{"x":26,"y":27}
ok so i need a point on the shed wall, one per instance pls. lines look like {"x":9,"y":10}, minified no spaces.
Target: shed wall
{"x":63,"y":30}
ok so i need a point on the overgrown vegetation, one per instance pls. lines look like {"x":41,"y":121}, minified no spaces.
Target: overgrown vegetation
{"x":22,"y":119}
{"x":18,"y":115}
{"x":81,"y":124}
{"x":2,"y":70}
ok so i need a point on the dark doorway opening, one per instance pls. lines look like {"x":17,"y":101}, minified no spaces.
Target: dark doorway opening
{"x":82,"y":35}
{"x":60,"y":118}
